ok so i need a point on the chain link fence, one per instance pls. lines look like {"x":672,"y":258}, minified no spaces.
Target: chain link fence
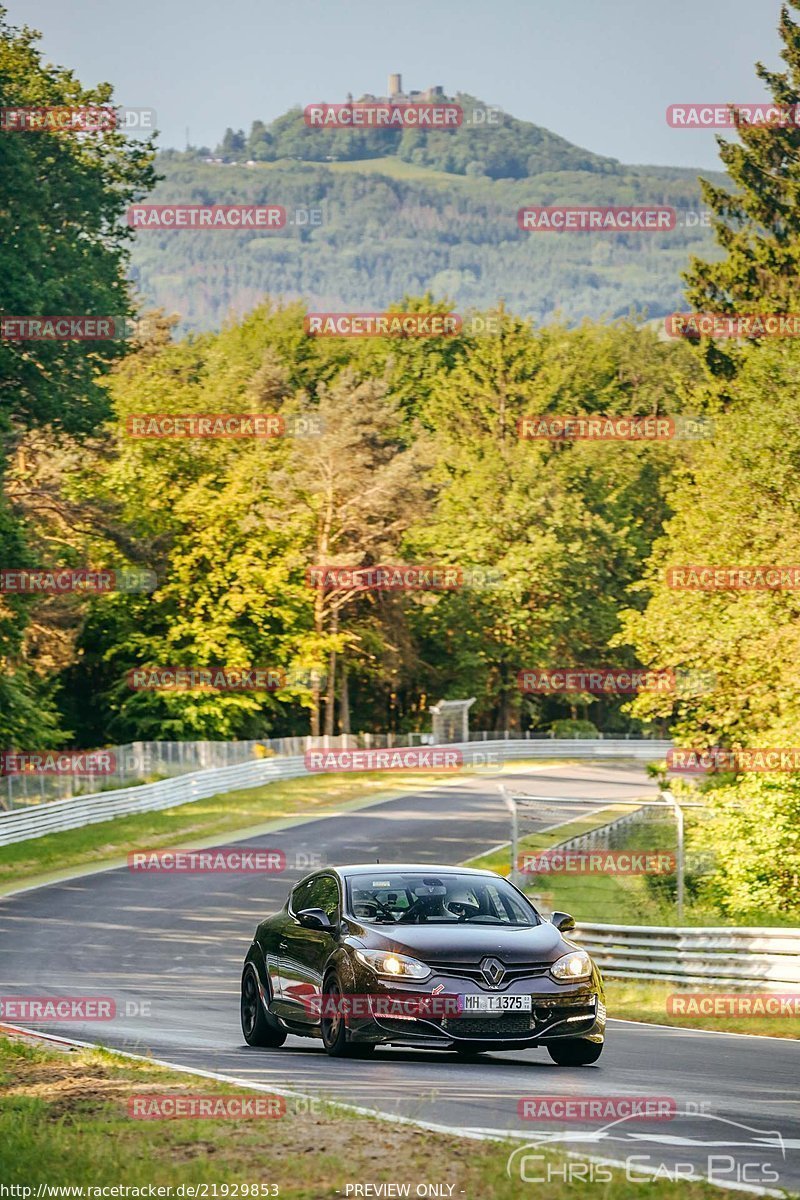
{"x":147,"y":762}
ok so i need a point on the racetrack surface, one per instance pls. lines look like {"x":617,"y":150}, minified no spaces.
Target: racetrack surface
{"x":169,"y":948}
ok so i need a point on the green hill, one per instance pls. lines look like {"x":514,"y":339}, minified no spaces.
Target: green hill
{"x":408,"y":212}
{"x":500,"y":147}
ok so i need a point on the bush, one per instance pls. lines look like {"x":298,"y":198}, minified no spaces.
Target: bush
{"x":754,"y":836}
{"x":569,"y":728}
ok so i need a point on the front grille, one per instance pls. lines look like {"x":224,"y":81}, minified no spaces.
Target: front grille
{"x":472,"y":971}
{"x":516,"y":1023}
{"x":562,"y":1012}
{"x":410,"y":1028}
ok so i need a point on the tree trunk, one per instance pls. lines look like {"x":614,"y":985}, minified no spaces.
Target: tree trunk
{"x":330,"y":699}
{"x":315,"y":700}
{"x":344,"y":701}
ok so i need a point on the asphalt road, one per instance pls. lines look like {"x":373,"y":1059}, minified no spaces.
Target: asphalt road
{"x":169,"y":948}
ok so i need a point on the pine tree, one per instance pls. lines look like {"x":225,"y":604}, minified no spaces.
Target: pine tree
{"x":758,"y":225}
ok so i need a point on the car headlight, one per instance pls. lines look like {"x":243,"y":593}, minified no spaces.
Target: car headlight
{"x":572,"y":966}
{"x":393,"y":966}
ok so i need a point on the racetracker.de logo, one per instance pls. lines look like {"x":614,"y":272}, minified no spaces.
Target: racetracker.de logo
{"x":57,"y":1008}
{"x":57,"y":762}
{"x":598,"y":862}
{"x":428,"y":577}
{"x":369,"y":114}
{"x":399,"y":759}
{"x":382,"y":324}
{"x":206,"y":679}
{"x":701,"y":578}
{"x":89,"y":118}
{"x":727,"y":325}
{"x":583,"y":218}
{"x":175,"y":1106}
{"x":596,"y":428}
{"x":595,"y":680}
{"x":736,"y":1004}
{"x":59,"y":329}
{"x":206,"y":216}
{"x":596,"y":1108}
{"x":237,"y":860}
{"x":21,"y":581}
{"x":366,"y":1006}
{"x":728,"y":116}
{"x":258,"y":426}
{"x":55,"y":118}
{"x":206,"y":425}
{"x":719,"y":758}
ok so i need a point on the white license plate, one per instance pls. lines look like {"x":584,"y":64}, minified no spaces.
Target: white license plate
{"x":494,"y":1004}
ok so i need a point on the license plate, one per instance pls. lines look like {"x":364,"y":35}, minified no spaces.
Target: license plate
{"x":494,"y":1004}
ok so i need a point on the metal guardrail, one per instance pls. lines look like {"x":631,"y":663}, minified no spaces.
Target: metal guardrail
{"x":77,"y":811}
{"x":74,"y":813}
{"x":136,"y":763}
{"x":142,"y":762}
{"x":767,"y":958}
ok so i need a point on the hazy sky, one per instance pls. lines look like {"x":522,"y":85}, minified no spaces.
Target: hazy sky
{"x":599,"y":72}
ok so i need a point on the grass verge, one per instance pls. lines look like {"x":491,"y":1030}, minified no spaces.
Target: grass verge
{"x":620,"y":899}
{"x":615,"y":900}
{"x":627,"y":900}
{"x":500,"y":860}
{"x":206,"y":822}
{"x":646,"y":1000}
{"x":234,"y":813}
{"x":64,"y":1122}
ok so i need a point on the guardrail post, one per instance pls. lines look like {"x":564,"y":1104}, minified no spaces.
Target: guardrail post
{"x":679,"y":857}
{"x":510,"y":804}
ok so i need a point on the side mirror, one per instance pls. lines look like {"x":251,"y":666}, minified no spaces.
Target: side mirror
{"x":314,"y":918}
{"x":563,"y":922}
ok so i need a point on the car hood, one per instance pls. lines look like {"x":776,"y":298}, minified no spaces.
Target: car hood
{"x":464,"y":943}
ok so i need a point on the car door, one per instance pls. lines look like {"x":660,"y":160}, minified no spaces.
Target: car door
{"x":269,"y":936}
{"x":304,"y":952}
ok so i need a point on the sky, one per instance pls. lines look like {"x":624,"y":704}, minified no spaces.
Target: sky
{"x":600,"y":73}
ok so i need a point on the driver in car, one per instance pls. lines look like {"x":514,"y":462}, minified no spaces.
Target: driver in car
{"x":462,"y":905}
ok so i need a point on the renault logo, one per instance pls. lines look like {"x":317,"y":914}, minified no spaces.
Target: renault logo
{"x":493,"y":971}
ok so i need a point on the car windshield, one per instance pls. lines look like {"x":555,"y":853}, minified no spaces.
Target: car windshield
{"x":395,"y":898}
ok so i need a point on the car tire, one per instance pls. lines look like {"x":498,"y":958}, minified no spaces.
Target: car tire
{"x":258,"y":1027}
{"x":334,"y":1029}
{"x":574,"y":1052}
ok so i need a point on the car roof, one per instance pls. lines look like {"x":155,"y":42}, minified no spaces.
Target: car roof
{"x":409,"y":868}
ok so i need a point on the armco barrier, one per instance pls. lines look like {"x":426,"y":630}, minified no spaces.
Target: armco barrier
{"x":145,"y":762}
{"x":73,"y":813}
{"x":766,"y":958}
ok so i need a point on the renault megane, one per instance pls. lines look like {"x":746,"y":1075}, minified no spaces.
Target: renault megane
{"x":427,"y":956}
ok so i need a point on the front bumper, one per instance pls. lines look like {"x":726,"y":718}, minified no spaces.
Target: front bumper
{"x":557,"y":1011}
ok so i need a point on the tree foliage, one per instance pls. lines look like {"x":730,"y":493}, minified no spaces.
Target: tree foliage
{"x":757,"y":223}
{"x":63,"y":251}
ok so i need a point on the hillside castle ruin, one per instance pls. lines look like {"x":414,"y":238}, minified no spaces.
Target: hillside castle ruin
{"x":396,"y":95}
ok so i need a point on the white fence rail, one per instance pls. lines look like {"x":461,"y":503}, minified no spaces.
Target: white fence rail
{"x":138,"y":762}
{"x":766,"y":958}
{"x":135,"y":762}
{"x":73,"y":813}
